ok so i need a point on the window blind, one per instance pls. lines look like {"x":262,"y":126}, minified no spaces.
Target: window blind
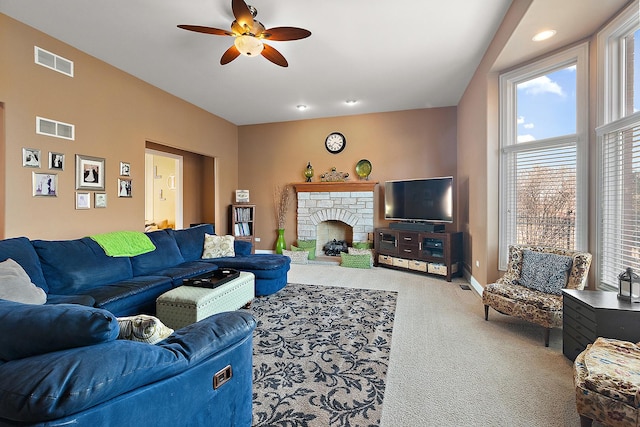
{"x":620,"y":202}
{"x":541,"y":196}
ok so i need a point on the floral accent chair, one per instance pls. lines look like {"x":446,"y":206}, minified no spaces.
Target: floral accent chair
{"x":531,"y":288}
{"x":607,"y":380}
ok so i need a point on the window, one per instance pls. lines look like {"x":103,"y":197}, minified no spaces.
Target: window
{"x":543,"y":153}
{"x":618,"y":195}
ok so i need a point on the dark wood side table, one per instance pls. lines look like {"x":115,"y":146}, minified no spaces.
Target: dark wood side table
{"x":588,"y":315}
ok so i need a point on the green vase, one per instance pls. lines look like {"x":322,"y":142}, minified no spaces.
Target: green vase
{"x":280,"y":243}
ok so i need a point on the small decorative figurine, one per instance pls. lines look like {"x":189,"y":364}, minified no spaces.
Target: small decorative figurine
{"x":334,"y":176}
{"x":308,"y":172}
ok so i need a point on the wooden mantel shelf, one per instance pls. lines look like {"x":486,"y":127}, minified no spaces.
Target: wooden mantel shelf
{"x":310,"y":187}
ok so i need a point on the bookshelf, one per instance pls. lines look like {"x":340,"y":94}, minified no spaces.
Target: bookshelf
{"x":242,"y":223}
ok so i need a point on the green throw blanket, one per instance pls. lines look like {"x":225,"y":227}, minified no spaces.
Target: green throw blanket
{"x":124,"y":243}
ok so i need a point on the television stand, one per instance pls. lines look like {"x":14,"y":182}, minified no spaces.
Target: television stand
{"x":417,"y":226}
{"x":419,"y":251}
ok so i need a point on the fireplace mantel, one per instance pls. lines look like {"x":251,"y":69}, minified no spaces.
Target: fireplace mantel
{"x":313,"y":187}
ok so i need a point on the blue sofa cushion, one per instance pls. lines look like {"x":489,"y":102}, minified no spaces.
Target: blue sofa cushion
{"x":185,"y":270}
{"x":266,"y":266}
{"x":191,"y":240}
{"x":242,"y":247}
{"x":74,"y":380}
{"x":87,"y":300}
{"x":27,"y":330}
{"x":73,"y":266}
{"x":167,"y":254}
{"x":21,"y":251}
{"x":132,"y":296}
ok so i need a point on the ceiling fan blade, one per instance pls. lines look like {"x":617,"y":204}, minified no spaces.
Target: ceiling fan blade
{"x":206,"y":30}
{"x":231,"y":54}
{"x":274,"y":56}
{"x":242,"y":13}
{"x":285,"y":33}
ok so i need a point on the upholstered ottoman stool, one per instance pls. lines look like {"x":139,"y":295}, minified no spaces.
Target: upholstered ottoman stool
{"x":607,"y":380}
{"x":270,"y":270}
{"x":185,"y":305}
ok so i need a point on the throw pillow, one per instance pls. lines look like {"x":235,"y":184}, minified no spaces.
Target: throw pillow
{"x":355,"y":261}
{"x":545,"y":272}
{"x":218,"y":246}
{"x":356,"y":251}
{"x":15,"y":284}
{"x":363,"y":245}
{"x":297,"y":257}
{"x":27,"y":330}
{"x":308,"y":245}
{"x":143,"y":328}
{"x":311,"y":253}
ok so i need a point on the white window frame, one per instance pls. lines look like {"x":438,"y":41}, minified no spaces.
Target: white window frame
{"x":578,"y":55}
{"x":611,"y":98}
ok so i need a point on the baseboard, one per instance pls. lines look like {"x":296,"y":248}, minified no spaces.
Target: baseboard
{"x":475,"y":285}
{"x":265,"y":251}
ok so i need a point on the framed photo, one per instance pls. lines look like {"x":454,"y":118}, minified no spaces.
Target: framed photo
{"x":45,"y":184}
{"x":124,"y":187}
{"x":30,"y":158}
{"x":56,"y":161}
{"x":83,"y":200}
{"x":89,"y":173}
{"x":125,"y":169}
{"x":100,"y":200}
{"x":242,"y":196}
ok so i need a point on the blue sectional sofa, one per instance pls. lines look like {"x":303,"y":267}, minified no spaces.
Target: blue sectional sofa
{"x":60,"y":363}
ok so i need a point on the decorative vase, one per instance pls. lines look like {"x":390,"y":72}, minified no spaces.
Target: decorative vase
{"x":308,"y":172}
{"x":280,"y":243}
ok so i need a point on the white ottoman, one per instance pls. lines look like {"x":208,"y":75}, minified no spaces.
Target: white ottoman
{"x":185,"y":305}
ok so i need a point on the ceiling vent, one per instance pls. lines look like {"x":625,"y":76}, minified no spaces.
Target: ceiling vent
{"x":53,"y":61}
{"x":54,"y":128}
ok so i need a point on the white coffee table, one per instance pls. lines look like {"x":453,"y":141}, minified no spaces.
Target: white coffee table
{"x":185,"y":305}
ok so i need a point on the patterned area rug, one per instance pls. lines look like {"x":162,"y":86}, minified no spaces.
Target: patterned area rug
{"x":321,"y":356}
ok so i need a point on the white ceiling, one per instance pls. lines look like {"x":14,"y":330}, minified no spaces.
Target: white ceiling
{"x":399,"y":55}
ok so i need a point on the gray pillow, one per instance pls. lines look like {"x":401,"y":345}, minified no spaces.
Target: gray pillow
{"x":545,"y":272}
{"x":15,"y":284}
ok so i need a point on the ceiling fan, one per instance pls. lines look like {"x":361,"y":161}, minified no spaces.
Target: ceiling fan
{"x":250,"y":35}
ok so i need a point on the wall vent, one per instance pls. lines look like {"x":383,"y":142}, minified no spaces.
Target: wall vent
{"x":53,"y":61}
{"x":54,"y":128}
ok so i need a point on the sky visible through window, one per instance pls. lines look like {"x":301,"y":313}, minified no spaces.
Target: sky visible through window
{"x":546,"y":105}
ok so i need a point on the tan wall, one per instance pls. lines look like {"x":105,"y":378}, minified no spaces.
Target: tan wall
{"x":478,"y":157}
{"x":405,"y":144}
{"x":114,"y":114}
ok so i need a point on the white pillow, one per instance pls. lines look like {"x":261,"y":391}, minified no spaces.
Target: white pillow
{"x":15,"y":285}
{"x":297,"y":257}
{"x":143,"y":328}
{"x":218,"y":246}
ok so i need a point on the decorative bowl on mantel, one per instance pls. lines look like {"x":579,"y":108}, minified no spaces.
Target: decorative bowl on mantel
{"x":363,"y":169}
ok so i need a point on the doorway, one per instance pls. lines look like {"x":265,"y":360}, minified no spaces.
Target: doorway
{"x":163,"y":190}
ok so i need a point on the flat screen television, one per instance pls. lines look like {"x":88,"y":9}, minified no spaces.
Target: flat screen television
{"x":425,"y":200}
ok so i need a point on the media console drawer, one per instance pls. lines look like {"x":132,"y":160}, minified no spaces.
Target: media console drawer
{"x":385,"y":259}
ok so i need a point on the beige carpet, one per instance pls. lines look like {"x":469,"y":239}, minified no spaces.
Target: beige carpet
{"x":449,"y":367}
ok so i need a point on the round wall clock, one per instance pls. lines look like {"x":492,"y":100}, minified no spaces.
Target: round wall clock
{"x":335,"y":142}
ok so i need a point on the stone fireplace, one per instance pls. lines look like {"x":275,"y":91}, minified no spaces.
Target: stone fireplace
{"x":335,"y":210}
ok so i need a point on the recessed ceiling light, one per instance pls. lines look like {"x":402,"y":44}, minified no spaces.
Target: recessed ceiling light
{"x":301,"y":107}
{"x":544,"y":35}
{"x":351,"y":101}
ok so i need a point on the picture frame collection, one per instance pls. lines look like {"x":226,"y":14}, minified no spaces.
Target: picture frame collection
{"x":90,"y":177}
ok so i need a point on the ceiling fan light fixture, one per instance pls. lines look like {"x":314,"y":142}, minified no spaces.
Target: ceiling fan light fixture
{"x":248,"y":45}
